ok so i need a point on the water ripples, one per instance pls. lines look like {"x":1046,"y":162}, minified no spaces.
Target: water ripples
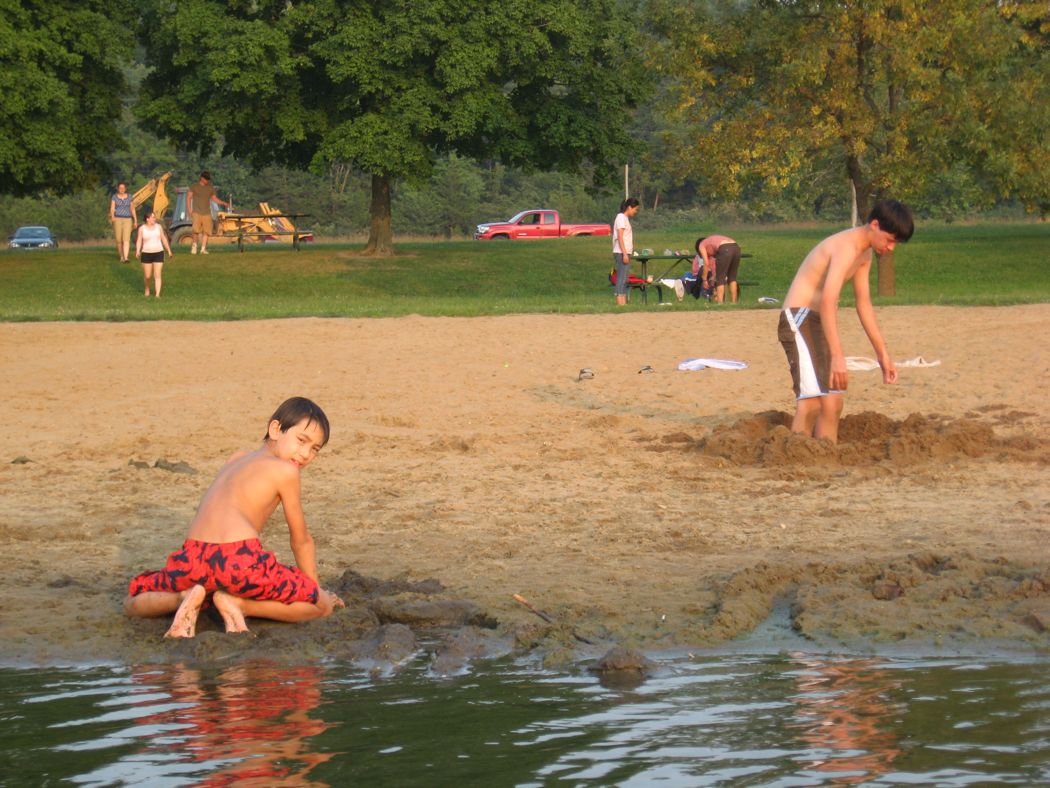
{"x":785,"y":720}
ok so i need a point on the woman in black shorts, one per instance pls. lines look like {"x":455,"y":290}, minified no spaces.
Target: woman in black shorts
{"x":149,"y":248}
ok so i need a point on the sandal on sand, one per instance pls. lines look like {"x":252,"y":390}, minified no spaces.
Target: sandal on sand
{"x":646,"y":368}
{"x":586,"y":374}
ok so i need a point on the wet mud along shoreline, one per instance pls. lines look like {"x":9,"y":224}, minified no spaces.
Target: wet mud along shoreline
{"x":659,"y":510}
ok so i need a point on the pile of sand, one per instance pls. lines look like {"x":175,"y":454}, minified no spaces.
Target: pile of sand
{"x":765,"y":440}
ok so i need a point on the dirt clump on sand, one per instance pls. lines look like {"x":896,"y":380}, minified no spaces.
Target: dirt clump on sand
{"x":939,"y":600}
{"x":766,"y":440}
{"x":386,"y":623}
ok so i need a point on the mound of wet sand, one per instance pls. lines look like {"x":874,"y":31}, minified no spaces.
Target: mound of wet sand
{"x":766,"y":440}
{"x":385,"y":624}
{"x":943,"y":602}
{"x":924,"y":598}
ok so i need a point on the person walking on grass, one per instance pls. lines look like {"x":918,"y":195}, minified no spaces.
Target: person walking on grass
{"x":150,"y":247}
{"x":809,"y":330}
{"x":198,"y":201}
{"x":122,"y":217}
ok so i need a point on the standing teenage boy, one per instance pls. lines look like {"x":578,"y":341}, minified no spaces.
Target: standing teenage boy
{"x":809,"y":328}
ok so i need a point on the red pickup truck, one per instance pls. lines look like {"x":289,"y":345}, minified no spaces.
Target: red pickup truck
{"x":541,"y":223}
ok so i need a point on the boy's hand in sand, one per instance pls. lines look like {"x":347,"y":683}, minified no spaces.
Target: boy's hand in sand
{"x":328,"y":601}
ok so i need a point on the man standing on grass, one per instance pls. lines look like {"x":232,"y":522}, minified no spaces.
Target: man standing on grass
{"x":809,"y":328}
{"x":199,"y":199}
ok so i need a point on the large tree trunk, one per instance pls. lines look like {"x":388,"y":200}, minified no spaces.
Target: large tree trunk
{"x":380,"y":233}
{"x":861,"y":188}
{"x":862,"y":194}
{"x":887,"y":275}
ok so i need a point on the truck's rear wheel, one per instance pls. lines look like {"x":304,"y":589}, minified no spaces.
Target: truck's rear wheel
{"x":182,"y":237}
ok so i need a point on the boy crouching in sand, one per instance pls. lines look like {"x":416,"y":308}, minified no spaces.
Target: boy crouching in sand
{"x":222,"y":554}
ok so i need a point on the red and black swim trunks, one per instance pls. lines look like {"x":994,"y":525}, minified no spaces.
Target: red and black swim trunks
{"x":242,"y":569}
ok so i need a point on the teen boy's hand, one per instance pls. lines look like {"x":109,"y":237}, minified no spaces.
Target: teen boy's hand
{"x":838,"y":380}
{"x":889,"y":369}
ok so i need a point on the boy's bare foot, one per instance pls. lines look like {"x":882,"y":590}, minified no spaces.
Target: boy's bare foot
{"x":185,"y":623}
{"x":230,"y":611}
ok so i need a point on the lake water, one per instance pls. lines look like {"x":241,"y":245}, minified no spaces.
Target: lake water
{"x":782,"y":720}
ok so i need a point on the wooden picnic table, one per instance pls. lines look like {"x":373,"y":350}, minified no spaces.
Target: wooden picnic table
{"x":676,"y":260}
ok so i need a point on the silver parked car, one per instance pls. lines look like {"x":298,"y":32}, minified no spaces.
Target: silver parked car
{"x":33,"y":238}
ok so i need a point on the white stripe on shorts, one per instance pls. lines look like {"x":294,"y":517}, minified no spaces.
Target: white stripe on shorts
{"x":808,"y":386}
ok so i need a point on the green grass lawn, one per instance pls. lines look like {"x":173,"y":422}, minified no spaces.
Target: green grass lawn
{"x":980,"y":264}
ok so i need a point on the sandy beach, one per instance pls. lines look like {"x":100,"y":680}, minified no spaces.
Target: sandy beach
{"x":656,"y":509}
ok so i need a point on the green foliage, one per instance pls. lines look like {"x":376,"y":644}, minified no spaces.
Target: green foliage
{"x":982,"y":264}
{"x":386,"y":87}
{"x":895,"y":95}
{"x":450,"y":200}
{"x":61,"y":91}
{"x":72,"y":217}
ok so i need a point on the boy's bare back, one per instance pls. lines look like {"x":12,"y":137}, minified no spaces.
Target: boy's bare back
{"x":243,"y":496}
{"x":845,"y":252}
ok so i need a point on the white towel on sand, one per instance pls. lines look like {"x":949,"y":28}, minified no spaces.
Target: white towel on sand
{"x":865,"y":364}
{"x":695,"y":364}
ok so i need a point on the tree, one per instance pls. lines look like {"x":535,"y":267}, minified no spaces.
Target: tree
{"x":61,"y":92}
{"x":896,"y":93}
{"x":387,"y":86}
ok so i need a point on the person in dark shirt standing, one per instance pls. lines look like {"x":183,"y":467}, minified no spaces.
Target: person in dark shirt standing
{"x":198,"y":201}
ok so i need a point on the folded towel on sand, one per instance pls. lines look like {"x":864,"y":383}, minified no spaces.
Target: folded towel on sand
{"x":864,"y":364}
{"x":695,"y":364}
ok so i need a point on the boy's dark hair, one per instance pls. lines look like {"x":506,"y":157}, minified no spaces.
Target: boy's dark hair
{"x":295,"y":409}
{"x":893,"y":217}
{"x":699,"y":241}
{"x":206,"y":175}
{"x":630,"y":202}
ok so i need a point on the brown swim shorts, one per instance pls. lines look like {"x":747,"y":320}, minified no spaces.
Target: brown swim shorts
{"x":807,"y":352}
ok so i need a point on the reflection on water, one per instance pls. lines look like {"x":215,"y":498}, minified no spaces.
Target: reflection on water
{"x":246,"y":725}
{"x":845,"y":713}
{"x":787,"y":720}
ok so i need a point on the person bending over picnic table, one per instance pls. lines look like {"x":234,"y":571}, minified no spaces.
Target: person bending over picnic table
{"x":720,"y":256}
{"x":222,"y":555}
{"x":809,"y":330}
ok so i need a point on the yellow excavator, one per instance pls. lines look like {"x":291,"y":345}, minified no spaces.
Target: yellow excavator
{"x":269,"y":225}
{"x":154,"y":188}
